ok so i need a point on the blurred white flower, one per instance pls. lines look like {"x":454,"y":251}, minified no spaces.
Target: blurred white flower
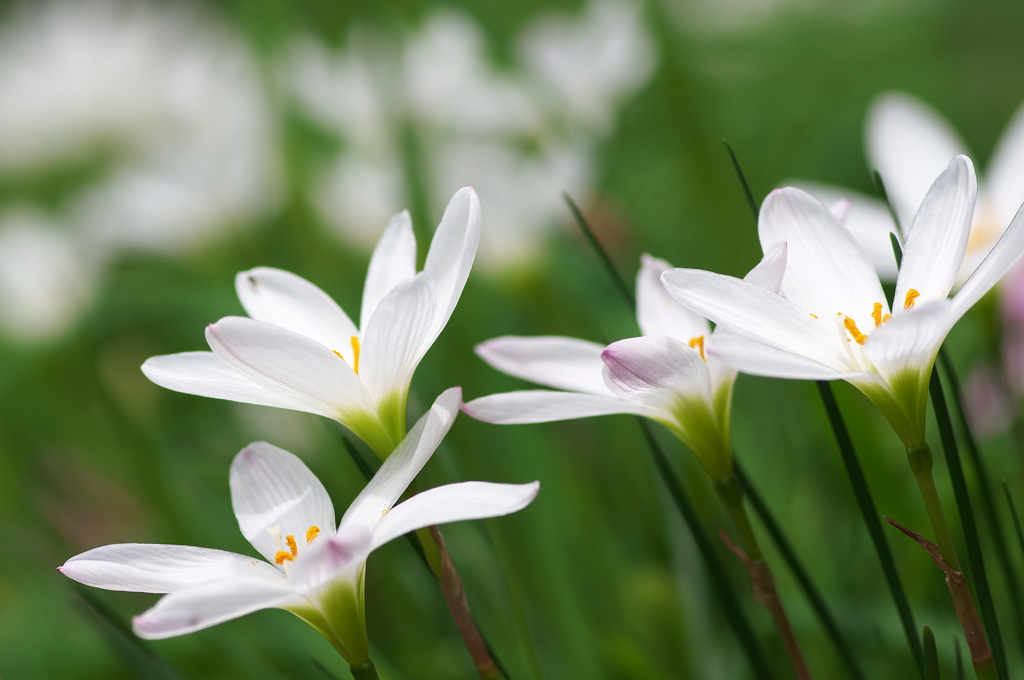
{"x":162,"y":108}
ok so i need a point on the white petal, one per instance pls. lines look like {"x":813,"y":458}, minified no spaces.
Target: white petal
{"x":867,"y":219}
{"x":206,"y":605}
{"x":758,"y":314}
{"x":553,"y":361}
{"x":826,"y":271}
{"x":770,"y":271}
{"x":938,"y":237}
{"x":756,"y":358}
{"x":402,"y":466}
{"x":207,"y":375}
{"x":451,"y":253}
{"x":331,"y":558}
{"x":657,"y":312}
{"x":1003,"y":255}
{"x":1004,"y":180}
{"x":909,"y":144}
{"x":289,"y":301}
{"x":150,"y":568}
{"x":274,"y":495}
{"x":397,"y":337}
{"x":453,"y":503}
{"x":292,"y":365}
{"x":544,"y":406}
{"x":909,"y":340}
{"x":656,"y":370}
{"x":393,"y":261}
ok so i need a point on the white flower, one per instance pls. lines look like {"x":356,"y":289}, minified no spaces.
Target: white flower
{"x":299,"y":350}
{"x":832,"y":319}
{"x":312,"y":569}
{"x":669,"y":374}
{"x":910,"y":144}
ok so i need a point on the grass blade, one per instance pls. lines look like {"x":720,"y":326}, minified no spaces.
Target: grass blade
{"x":751,"y":203}
{"x":931,"y":656}
{"x":619,"y":282}
{"x":1016,"y":517}
{"x":800,"y":573}
{"x":715,"y":568}
{"x":871,"y":519}
{"x":970,"y":528}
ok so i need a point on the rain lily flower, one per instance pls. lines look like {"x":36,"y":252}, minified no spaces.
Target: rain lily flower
{"x":299,"y":350}
{"x":832,"y":319}
{"x":311,"y":569}
{"x":669,"y":374}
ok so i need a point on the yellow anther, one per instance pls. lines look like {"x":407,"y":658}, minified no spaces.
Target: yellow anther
{"x":851,"y":326}
{"x":339,"y":355}
{"x":312,"y":533}
{"x":877,"y":315}
{"x":355,"y":354}
{"x":813,"y":314}
{"x":912,"y":295}
{"x":281,"y":557}
{"x":698,"y":344}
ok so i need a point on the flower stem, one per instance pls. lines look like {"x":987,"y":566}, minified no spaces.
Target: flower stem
{"x":364,"y":671}
{"x":761,"y":580}
{"x":920,"y":458}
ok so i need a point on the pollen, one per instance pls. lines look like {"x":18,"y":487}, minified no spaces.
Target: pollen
{"x":283,"y":556}
{"x":912,"y":295}
{"x":813,"y":314}
{"x":877,"y":315}
{"x":311,"y":534}
{"x":355,"y":354}
{"x":851,"y":326}
{"x":698,"y":344}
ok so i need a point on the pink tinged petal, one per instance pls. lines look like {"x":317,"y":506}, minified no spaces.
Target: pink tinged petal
{"x":997,"y":263}
{"x":1004,"y":180}
{"x":332,"y":558}
{"x":937,"y":239}
{"x":826,"y":271}
{"x":451,"y":253}
{"x":208,"y":604}
{"x":150,"y":568}
{"x":657,"y":313}
{"x":910,"y":340}
{"x":207,"y":375}
{"x":393,"y":261}
{"x":397,"y":337}
{"x":402,"y":466}
{"x":453,"y":503}
{"x":301,"y":370}
{"x":656,"y":370}
{"x":909,"y":144}
{"x":756,"y":358}
{"x":543,"y":406}
{"x":760,"y":315}
{"x":289,"y":301}
{"x":562,"y":363}
{"x":770,"y":271}
{"x":274,"y":495}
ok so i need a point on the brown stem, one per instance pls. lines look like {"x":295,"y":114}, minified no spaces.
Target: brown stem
{"x":455,"y":597}
{"x":765,"y":594}
{"x":981,"y":655}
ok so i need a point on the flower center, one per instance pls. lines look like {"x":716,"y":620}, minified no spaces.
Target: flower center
{"x":698,"y":344}
{"x":877,"y":314}
{"x":289,"y":555}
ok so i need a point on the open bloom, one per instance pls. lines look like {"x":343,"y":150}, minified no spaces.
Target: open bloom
{"x":668,"y":374}
{"x":299,"y":350}
{"x":832,"y":319}
{"x":312,"y":569}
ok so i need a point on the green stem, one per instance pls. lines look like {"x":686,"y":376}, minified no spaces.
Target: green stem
{"x":731,"y":494}
{"x":364,"y":671}
{"x":920,"y":458}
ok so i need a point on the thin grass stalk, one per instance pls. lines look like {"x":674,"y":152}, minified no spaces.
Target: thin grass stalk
{"x":931,"y":656}
{"x":963,"y":500}
{"x":751,"y":203}
{"x":609,"y":266}
{"x":716,"y":570}
{"x":789,"y":556}
{"x":870,"y":514}
{"x":988,"y":506}
{"x":1015,"y":516}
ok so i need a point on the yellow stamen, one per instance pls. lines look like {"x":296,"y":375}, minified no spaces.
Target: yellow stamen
{"x":281,"y":557}
{"x":851,"y":326}
{"x":877,"y":315}
{"x":355,"y":354}
{"x":290,"y":540}
{"x":912,"y":294}
{"x":339,"y":355}
{"x":312,"y":533}
{"x":698,"y":344}
{"x":813,"y":314}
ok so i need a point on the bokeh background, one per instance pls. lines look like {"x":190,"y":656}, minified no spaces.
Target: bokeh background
{"x":150,"y":150}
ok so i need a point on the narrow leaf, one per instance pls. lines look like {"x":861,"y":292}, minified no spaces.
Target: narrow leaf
{"x":931,"y":656}
{"x":1016,"y":517}
{"x":751,"y":203}
{"x":617,"y":279}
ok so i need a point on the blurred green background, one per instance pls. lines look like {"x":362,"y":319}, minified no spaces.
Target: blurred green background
{"x":208,"y":139}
